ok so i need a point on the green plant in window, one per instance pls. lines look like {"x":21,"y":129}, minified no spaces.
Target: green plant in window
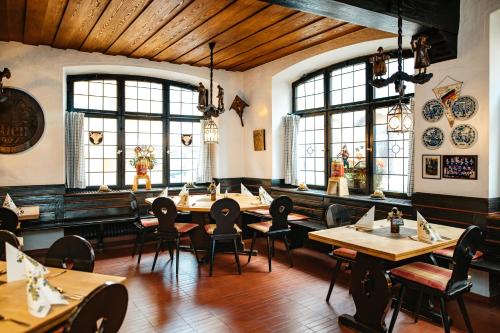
{"x":144,"y":159}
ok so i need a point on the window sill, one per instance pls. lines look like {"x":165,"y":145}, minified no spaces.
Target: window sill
{"x":351,"y":197}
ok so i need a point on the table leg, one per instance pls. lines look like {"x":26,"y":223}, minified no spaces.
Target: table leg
{"x":371,"y":291}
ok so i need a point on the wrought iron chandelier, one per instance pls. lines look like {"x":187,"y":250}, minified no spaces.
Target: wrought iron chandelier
{"x":211,"y":131}
{"x":400,"y":117}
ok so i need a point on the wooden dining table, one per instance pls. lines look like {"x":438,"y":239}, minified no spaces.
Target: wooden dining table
{"x":13,"y":298}
{"x":377,"y":251}
{"x":200,"y":205}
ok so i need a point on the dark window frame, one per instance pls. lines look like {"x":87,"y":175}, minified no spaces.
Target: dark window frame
{"x":121,"y":115}
{"x":369,"y":104}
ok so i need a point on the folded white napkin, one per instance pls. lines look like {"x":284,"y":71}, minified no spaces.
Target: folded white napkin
{"x":164,"y":193}
{"x":264,"y":197}
{"x":425,"y":232}
{"x":367,"y":220}
{"x":184,"y":197}
{"x":9,"y":203}
{"x":41,"y":295}
{"x":217,"y":189}
{"x":226,"y":194}
{"x":245,"y":191}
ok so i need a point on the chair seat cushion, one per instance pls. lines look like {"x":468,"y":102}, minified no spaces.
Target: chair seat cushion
{"x":297,"y":217}
{"x":150,"y":222}
{"x":265,"y":214}
{"x":448,"y":252}
{"x":345,"y":252}
{"x":261,"y":226}
{"x":209,"y":228}
{"x":425,"y":274}
{"x":184,"y":227}
{"x":260,"y":211}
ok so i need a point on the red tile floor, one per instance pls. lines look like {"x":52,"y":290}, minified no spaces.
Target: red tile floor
{"x":286,"y":300}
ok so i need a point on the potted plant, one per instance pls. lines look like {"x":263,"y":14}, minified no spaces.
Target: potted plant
{"x":144,"y":159}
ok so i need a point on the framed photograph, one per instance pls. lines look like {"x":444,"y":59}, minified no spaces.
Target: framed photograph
{"x":431,"y":166}
{"x":460,"y":166}
{"x":259,"y":140}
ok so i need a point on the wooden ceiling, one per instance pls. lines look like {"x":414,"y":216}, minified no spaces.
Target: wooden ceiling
{"x":248,"y":33}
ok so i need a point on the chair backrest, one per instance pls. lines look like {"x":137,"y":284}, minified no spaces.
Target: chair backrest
{"x":71,"y":252}
{"x":134,"y":207}
{"x":103,"y":310}
{"x":7,"y":237}
{"x":279,"y":210}
{"x":466,"y":247}
{"x":8,"y":219}
{"x":166,"y":213}
{"x":337,"y":216}
{"x":225,"y":212}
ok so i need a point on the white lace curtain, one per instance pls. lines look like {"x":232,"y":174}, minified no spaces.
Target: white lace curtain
{"x":206,"y":162}
{"x":291,"y":124}
{"x":75,"y":159}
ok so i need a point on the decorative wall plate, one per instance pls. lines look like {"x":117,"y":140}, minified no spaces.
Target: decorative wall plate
{"x":433,"y":138}
{"x":464,"y":107}
{"x":432,"y":110}
{"x":464,"y":136}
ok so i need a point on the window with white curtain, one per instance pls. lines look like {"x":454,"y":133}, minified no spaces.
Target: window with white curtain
{"x":311,"y":151}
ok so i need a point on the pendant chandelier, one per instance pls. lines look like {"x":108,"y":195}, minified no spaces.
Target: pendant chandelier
{"x":400,"y":117}
{"x":210,"y":129}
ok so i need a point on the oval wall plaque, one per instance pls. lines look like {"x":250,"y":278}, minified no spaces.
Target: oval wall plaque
{"x":21,"y":121}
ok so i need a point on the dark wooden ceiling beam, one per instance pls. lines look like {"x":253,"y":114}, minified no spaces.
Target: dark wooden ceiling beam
{"x":232,"y":16}
{"x":250,"y":26}
{"x":12,"y":20}
{"x":439,"y":19}
{"x":183,"y":23}
{"x":281,"y":28}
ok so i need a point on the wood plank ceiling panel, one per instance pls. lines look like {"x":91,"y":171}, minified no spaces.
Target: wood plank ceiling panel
{"x":281,"y":28}
{"x":152,"y":19}
{"x":248,"y":27}
{"x":78,"y":20}
{"x":12,"y":20}
{"x":42,"y":19}
{"x":190,"y":18}
{"x":221,"y":22}
{"x":334,"y":33}
{"x":115,"y":19}
{"x":322,"y":25}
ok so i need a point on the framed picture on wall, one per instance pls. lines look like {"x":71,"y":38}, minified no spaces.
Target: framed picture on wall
{"x":431,"y":166}
{"x":460,"y":166}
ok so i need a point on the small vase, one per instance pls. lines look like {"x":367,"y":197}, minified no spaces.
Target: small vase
{"x":141,"y":167}
{"x":394,"y":228}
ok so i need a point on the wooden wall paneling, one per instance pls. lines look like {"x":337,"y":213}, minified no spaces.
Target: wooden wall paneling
{"x":78,"y":20}
{"x":261,"y":20}
{"x":12,"y":17}
{"x":42,"y":19}
{"x":287,"y":25}
{"x":150,"y":21}
{"x":185,"y":21}
{"x":221,"y":22}
{"x":336,"y":32}
{"x":283,"y":41}
{"x":115,"y":19}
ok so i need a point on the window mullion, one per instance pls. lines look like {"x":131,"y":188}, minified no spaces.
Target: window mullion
{"x":166,"y":132}
{"x":121,"y":133}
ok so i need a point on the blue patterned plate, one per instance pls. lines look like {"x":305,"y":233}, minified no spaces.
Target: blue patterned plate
{"x":464,"y":107}
{"x":432,"y":110}
{"x":432,"y":138}
{"x":464,"y":136}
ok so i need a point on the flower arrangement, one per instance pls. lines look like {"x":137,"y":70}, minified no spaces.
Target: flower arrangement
{"x":144,"y":159}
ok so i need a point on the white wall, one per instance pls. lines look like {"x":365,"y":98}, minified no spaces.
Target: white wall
{"x":494,"y":61}
{"x":41,"y":71}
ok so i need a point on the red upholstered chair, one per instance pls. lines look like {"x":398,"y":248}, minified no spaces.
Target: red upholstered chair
{"x":264,"y":213}
{"x":71,"y":252}
{"x":143,"y":226}
{"x":440,"y":282}
{"x":169,"y":231}
{"x":338,"y":216}
{"x":279,"y":211}
{"x":225,"y":212}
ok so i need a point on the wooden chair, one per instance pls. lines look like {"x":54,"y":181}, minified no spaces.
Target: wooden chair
{"x":8,"y":220}
{"x":338,"y":216}
{"x":225,"y":212}
{"x":169,"y":231}
{"x":440,"y":282}
{"x":71,"y":252}
{"x":7,"y":237}
{"x":143,"y":226}
{"x":276,"y":228}
{"x":103,"y":310}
